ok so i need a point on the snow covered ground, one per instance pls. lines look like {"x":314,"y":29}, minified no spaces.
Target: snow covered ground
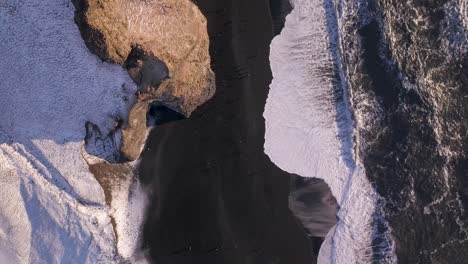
{"x":52,"y":209}
{"x":309,"y":127}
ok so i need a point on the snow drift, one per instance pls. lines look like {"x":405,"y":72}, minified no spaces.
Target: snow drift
{"x":52,"y":209}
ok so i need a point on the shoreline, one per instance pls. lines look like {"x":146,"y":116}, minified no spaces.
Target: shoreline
{"x":216,"y":196}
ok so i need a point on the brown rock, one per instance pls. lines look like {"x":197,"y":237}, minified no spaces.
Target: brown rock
{"x":173,"y":31}
{"x":155,"y":40}
{"x":133,"y":136}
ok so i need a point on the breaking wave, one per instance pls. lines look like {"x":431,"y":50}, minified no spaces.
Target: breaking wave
{"x":310,"y":130}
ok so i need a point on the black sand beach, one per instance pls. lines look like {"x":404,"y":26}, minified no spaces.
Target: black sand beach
{"x":215,"y":195}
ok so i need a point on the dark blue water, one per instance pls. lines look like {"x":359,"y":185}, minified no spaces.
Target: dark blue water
{"x":415,"y":151}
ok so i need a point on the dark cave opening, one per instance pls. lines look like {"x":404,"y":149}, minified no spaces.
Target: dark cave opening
{"x":159,"y":114}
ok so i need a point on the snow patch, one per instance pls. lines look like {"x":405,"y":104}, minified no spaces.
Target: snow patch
{"x":52,"y":208}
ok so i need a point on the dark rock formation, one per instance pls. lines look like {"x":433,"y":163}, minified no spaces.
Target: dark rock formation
{"x":145,"y":70}
{"x":160,"y":114}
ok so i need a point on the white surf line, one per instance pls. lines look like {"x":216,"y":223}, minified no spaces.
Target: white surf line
{"x":309,"y":132}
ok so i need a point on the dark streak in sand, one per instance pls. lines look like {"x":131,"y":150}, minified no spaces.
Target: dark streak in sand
{"x":215,"y":197}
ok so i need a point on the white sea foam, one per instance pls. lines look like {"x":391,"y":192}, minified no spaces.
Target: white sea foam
{"x":52,"y":209}
{"x":309,"y":129}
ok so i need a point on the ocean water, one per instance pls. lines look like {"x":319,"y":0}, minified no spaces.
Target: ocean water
{"x":373,"y":94}
{"x":308,"y":102}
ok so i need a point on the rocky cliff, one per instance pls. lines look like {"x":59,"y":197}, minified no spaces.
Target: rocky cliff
{"x":164,"y":47}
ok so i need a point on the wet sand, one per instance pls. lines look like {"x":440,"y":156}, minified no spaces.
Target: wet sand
{"x":215,"y":195}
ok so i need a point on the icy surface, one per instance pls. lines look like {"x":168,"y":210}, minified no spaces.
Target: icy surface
{"x":52,"y":209}
{"x":309,"y":128}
